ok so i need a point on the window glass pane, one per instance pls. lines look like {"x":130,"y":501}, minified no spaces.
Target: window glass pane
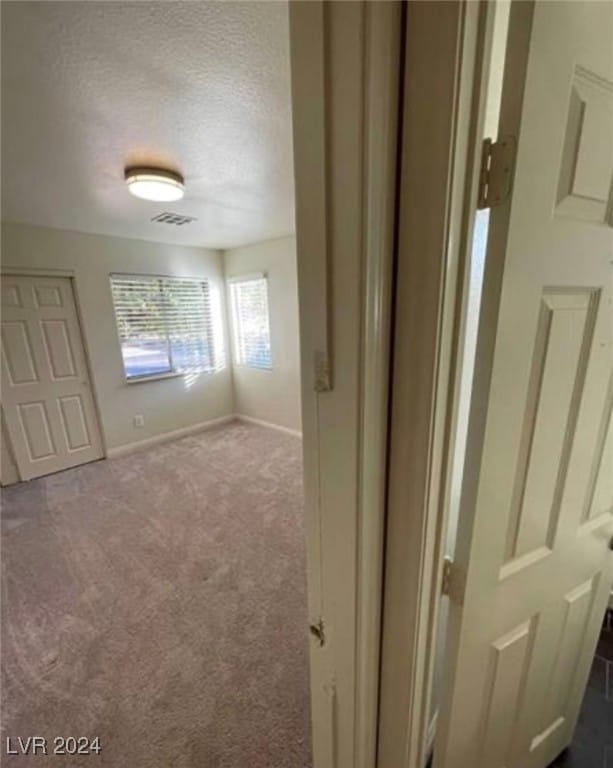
{"x":251,"y":322}
{"x":145,"y":357}
{"x":165,"y":324}
{"x":188,"y":310}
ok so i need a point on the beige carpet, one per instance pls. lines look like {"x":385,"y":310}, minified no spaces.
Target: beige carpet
{"x":158,"y":601}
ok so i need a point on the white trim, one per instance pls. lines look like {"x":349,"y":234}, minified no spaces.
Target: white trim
{"x":473,"y":76}
{"x":154,"y":377}
{"x":310,"y":51}
{"x":383,"y":36}
{"x":444,"y":42}
{"x":342,"y":64}
{"x":310,"y":118}
{"x":166,"y":437}
{"x":37,"y":272}
{"x":269,"y":424}
{"x":431,"y":735}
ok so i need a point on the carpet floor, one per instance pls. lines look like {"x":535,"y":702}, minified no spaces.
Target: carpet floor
{"x":158,"y":601}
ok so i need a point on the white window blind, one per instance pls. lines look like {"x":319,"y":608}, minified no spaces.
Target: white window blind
{"x":251,"y":323}
{"x":165,"y":324}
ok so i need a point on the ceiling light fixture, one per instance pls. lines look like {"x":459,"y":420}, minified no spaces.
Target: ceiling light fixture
{"x":155,"y":184}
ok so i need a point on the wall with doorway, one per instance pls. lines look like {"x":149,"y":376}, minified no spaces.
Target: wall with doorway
{"x":166,"y":404}
{"x":273,"y":395}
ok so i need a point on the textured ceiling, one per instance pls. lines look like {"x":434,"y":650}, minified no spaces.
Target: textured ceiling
{"x":203,"y":87}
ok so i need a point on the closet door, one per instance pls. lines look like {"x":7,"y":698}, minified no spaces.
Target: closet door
{"x":47,"y":400}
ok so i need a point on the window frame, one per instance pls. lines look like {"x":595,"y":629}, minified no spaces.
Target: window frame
{"x":172,"y":373}
{"x":233,"y":316}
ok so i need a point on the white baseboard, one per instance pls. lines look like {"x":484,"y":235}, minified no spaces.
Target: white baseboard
{"x":166,"y":437}
{"x":176,"y":434}
{"x":269,"y":424}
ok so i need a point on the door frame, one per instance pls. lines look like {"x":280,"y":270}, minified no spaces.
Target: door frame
{"x":69,"y":275}
{"x":345,"y":97}
{"x":449,"y":48}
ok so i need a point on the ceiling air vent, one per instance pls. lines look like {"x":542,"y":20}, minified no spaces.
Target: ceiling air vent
{"x":173,"y":218}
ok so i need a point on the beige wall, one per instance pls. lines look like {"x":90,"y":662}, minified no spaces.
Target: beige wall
{"x":168,"y":404}
{"x":272,"y":396}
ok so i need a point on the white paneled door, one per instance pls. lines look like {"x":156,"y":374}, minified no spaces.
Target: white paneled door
{"x":534,"y":563}
{"x":46,"y":394}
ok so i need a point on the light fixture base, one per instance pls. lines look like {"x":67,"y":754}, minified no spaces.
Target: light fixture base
{"x":155,"y":184}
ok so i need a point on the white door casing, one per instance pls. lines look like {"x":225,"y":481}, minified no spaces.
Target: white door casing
{"x":443,"y":67}
{"x":533,"y":566}
{"x":46,"y":395}
{"x":345,"y":70}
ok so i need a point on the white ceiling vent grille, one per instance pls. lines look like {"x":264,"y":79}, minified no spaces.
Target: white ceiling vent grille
{"x":173,"y":218}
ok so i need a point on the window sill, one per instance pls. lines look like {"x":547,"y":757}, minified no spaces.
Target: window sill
{"x":154,"y":377}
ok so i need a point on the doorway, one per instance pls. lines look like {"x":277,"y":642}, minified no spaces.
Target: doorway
{"x":154,"y":603}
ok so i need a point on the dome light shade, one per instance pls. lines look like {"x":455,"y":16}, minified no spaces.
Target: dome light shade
{"x":155,"y":184}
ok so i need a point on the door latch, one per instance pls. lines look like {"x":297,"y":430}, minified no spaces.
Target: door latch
{"x":317,"y":630}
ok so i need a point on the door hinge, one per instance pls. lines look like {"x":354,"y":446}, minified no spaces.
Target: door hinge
{"x":447,"y":569}
{"x":323,"y":379}
{"x":453,"y":582}
{"x":497,"y":165}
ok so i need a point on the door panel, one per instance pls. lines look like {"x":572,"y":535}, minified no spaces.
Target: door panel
{"x":58,"y":349}
{"x":564,"y":335}
{"x":509,"y":658}
{"x":537,"y":499}
{"x":566,"y":653}
{"x":36,"y":430}
{"x":17,"y":350}
{"x":74,"y":422}
{"x":598,"y":496}
{"x":586,"y":166}
{"x":47,"y":401}
{"x":47,"y":296}
{"x":11,"y":296}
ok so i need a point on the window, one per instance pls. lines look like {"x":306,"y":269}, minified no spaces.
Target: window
{"x":249,"y":296}
{"x":164,"y":323}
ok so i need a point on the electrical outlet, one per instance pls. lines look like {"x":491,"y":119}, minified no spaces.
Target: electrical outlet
{"x":139,"y":420}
